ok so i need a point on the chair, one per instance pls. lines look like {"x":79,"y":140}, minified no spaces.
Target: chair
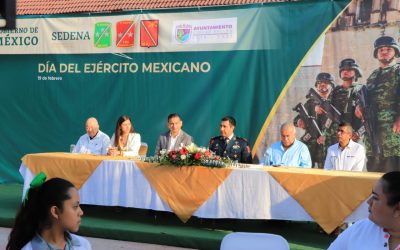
{"x":143,"y":149}
{"x":253,"y":241}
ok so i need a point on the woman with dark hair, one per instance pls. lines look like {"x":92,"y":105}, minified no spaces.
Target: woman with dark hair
{"x":382,"y":228}
{"x":124,"y":142}
{"x":49,"y":212}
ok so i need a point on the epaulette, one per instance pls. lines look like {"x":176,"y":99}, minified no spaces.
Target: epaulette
{"x":241,"y":138}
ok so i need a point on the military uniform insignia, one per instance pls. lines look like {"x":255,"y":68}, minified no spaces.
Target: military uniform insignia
{"x":236,"y":149}
{"x":236,"y":146}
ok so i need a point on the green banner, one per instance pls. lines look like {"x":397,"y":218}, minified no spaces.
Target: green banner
{"x":58,"y":71}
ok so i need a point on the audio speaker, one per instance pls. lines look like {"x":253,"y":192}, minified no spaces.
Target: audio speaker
{"x":8,"y":10}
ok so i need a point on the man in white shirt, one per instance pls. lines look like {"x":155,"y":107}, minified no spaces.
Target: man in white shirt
{"x":94,"y":141}
{"x":346,"y":154}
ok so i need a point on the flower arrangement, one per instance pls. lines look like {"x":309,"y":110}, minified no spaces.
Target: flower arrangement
{"x":191,"y":155}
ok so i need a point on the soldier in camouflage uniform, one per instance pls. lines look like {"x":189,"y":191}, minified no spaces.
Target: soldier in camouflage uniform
{"x":324,"y":84}
{"x":344,"y":97}
{"x":383,"y":88}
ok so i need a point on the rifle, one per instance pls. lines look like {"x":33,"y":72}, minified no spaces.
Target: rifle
{"x":369,"y":119}
{"x":332,"y":112}
{"x":311,"y":126}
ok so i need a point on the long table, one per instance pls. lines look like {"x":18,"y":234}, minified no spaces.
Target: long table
{"x":255,"y":192}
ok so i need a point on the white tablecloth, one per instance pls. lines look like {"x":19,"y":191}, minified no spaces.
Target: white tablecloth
{"x":249,"y":193}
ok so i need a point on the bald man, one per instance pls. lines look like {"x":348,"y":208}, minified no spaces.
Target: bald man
{"x":94,"y":141}
{"x":289,"y":151}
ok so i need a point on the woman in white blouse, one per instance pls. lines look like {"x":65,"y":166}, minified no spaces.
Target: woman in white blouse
{"x":124,"y":141}
{"x":381,"y":230}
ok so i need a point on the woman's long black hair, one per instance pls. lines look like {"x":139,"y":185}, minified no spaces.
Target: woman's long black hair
{"x":34,"y":214}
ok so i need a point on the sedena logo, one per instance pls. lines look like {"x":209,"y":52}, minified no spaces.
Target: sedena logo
{"x":102,"y":35}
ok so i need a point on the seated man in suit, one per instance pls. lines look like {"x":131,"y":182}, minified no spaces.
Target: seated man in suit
{"x":175,"y":137}
{"x":229,"y":145}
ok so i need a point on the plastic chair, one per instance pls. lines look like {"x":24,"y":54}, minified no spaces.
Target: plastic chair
{"x":253,"y":241}
{"x":143,"y":149}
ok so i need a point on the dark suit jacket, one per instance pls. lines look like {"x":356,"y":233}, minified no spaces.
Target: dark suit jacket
{"x":164,"y":141}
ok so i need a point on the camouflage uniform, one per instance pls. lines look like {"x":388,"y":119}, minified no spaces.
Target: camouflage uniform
{"x":317,"y":151}
{"x":345,"y":100}
{"x":383,"y":88}
{"x":384,"y":93}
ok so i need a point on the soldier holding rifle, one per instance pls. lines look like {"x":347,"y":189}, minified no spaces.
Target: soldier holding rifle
{"x":344,"y":99}
{"x":383,"y":96}
{"x":315,"y":123}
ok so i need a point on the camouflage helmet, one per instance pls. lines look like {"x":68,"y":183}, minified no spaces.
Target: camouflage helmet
{"x":350,"y":63}
{"x":325,"y":77}
{"x":386,"y":41}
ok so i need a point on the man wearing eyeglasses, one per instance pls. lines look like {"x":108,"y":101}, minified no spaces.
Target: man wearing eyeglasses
{"x":346,"y":154}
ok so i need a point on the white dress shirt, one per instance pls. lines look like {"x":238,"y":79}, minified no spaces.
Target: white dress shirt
{"x":172,"y":141}
{"x":98,"y":145}
{"x":351,"y":158}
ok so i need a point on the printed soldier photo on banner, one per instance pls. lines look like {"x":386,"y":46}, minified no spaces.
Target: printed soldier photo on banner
{"x":361,"y":51}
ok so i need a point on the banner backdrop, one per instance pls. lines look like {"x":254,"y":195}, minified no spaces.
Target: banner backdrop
{"x":351,"y":43}
{"x":201,"y":63}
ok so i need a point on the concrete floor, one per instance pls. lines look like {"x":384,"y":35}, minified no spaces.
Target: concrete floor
{"x":102,"y":244}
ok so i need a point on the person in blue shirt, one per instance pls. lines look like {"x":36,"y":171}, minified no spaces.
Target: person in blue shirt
{"x":289,"y":151}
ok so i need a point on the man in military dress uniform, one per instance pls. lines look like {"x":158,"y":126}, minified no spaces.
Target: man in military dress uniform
{"x":229,"y":145}
{"x":383,"y":88}
{"x":344,"y":97}
{"x":324,"y":84}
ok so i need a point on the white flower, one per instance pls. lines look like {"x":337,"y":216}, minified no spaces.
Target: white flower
{"x":192,"y":148}
{"x":183,"y":157}
{"x":163,"y":151}
{"x":202,"y":149}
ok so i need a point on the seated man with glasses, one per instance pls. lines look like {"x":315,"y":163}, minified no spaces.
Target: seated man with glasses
{"x":346,"y":154}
